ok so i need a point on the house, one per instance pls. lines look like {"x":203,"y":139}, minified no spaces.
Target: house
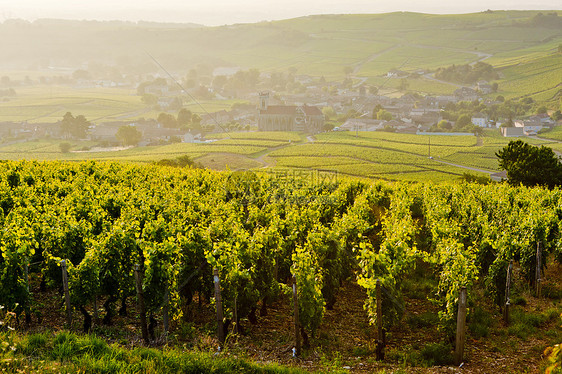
{"x":395,"y":73}
{"x":529,"y":127}
{"x":157,"y":89}
{"x":303,"y":118}
{"x":191,"y":138}
{"x":169,"y":102}
{"x":362,"y":124}
{"x":466,"y":94}
{"x":509,"y":132}
{"x":104,"y":132}
{"x":480,"y":120}
{"x":542,"y":118}
{"x":220,"y":117}
{"x":484,"y":88}
{"x":441,"y":101}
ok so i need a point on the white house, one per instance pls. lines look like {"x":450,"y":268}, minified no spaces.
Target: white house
{"x":480,"y":120}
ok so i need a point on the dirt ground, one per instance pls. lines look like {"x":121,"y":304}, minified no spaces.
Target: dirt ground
{"x":345,"y":340}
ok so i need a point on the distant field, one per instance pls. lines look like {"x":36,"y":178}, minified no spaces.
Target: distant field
{"x":539,"y":78}
{"x":378,"y":155}
{"x":49,"y":103}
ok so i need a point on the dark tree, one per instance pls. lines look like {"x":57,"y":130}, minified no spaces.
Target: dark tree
{"x":128,"y":135}
{"x":76,"y":127}
{"x":529,"y":165}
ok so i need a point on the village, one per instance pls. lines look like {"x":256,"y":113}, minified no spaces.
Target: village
{"x":285,"y":102}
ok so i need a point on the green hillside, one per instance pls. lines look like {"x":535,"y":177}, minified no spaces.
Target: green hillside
{"x":521,"y":43}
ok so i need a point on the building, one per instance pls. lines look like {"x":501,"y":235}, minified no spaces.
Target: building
{"x":509,"y":132}
{"x":301,"y":118}
{"x":480,"y":119}
{"x":529,"y":127}
{"x":466,"y":94}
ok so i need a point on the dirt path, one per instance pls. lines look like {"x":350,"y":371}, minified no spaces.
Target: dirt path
{"x":465,"y":167}
{"x":371,"y":58}
{"x":269,"y":162}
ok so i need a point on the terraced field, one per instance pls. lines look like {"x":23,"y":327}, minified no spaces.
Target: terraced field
{"x":373,"y":155}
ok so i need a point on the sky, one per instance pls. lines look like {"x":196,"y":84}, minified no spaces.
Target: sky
{"x":221,"y":12}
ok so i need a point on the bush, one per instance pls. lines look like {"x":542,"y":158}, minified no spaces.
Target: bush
{"x":65,"y":147}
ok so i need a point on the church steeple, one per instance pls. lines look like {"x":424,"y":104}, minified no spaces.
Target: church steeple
{"x":264,"y":100}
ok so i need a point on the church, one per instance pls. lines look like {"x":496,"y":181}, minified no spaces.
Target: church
{"x":301,"y":118}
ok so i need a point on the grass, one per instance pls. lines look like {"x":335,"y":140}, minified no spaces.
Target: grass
{"x":523,"y":323}
{"x":66,"y":352}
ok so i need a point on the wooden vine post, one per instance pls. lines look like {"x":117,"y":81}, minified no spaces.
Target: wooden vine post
{"x":461,"y":322}
{"x":296,"y":317}
{"x":538,"y":271}
{"x":166,"y":313}
{"x":380,"y":338}
{"x":26,"y":273}
{"x":140,"y":304}
{"x":235,"y":314}
{"x":507,"y":293}
{"x":66,"y":293}
{"x":218,"y":301}
{"x":96,"y":314}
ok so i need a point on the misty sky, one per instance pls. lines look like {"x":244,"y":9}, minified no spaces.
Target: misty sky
{"x":218,"y":12}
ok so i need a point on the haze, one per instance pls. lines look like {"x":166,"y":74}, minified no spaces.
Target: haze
{"x":218,"y":12}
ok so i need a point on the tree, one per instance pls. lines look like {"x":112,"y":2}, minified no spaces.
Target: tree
{"x":329,"y":112}
{"x":444,"y":125}
{"x":128,"y":135}
{"x":76,"y":127}
{"x":81,"y":126}
{"x":542,"y":109}
{"x":529,"y":165}
{"x":403,"y":85}
{"x":167,"y":120}
{"x":184,"y":117}
{"x":376,"y":109}
{"x":219,"y":81}
{"x":477,"y":130}
{"x":462,"y":121}
{"x":384,"y":115}
{"x":508,"y":123}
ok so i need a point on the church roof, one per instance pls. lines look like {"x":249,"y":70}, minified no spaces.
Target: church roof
{"x":291,"y":110}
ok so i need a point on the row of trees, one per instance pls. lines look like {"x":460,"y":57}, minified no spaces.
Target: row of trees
{"x":467,"y":73}
{"x":500,"y":110}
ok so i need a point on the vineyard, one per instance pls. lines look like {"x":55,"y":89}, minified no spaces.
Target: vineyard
{"x":120,"y":233}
